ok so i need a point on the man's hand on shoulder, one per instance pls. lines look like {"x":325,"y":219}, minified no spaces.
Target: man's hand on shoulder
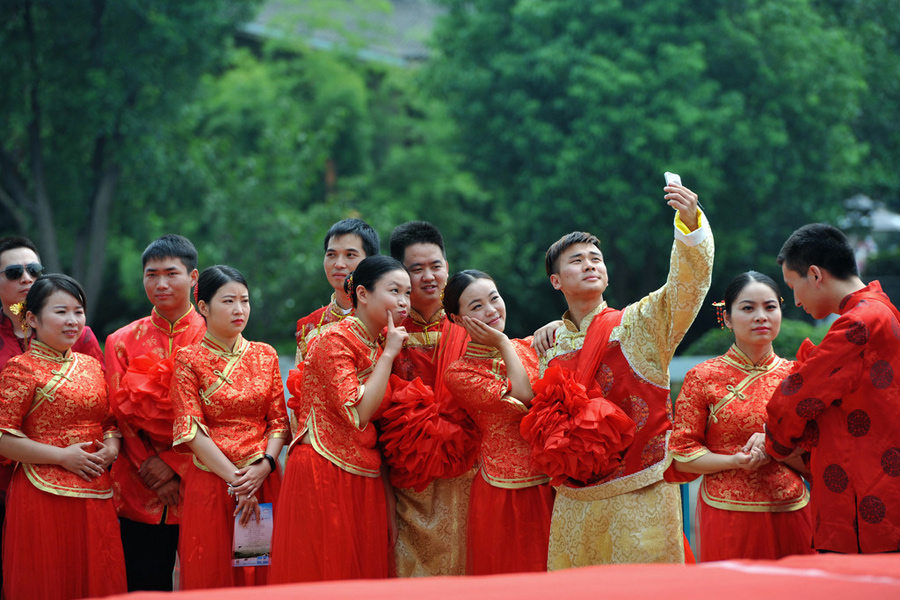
{"x":545,"y":337}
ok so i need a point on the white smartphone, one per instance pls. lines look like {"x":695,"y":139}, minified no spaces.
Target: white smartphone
{"x":672,"y":178}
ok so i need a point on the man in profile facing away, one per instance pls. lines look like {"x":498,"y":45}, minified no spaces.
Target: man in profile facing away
{"x":842,"y":402}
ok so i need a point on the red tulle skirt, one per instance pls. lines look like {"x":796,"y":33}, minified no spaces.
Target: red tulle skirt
{"x":58,"y":547}
{"x":331,"y":524}
{"x":509,"y":530}
{"x":206,"y":535}
{"x":731,"y":534}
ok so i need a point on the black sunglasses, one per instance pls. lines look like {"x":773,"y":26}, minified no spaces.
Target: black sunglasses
{"x":14,"y":272}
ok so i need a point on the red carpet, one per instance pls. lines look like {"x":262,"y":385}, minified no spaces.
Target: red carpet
{"x":822,"y":577}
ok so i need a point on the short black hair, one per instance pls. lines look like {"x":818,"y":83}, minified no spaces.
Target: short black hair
{"x":551,"y":259}
{"x":822,"y":245}
{"x":13,"y":242}
{"x":44,"y":287}
{"x":743,"y":280}
{"x":368,"y":272}
{"x":456,"y":285}
{"x":370,"y":239}
{"x":171,"y":245}
{"x":414,"y":232}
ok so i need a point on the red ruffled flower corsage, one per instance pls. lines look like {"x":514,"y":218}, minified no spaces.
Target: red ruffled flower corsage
{"x":419,"y":442}
{"x":293,"y":384}
{"x":143,"y":397}
{"x":573,"y":436}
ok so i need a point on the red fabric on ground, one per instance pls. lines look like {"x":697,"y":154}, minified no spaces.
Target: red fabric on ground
{"x":824,"y":577}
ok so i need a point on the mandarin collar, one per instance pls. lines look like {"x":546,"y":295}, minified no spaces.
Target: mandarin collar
{"x":738,"y":356}
{"x":853,"y":298}
{"x":586,"y":321}
{"x":336,"y":309}
{"x":39,"y":348}
{"x":210,"y":342}
{"x":181,"y":324}
{"x":418,"y":319}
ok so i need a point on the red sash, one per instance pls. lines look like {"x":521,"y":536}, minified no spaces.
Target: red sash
{"x":596,"y":341}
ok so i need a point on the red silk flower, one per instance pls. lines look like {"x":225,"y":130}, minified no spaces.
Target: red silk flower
{"x":143,"y":397}
{"x":574,"y":436}
{"x":420,"y":444}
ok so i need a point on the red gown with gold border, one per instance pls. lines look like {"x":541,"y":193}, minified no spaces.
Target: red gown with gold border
{"x":146,"y":421}
{"x":631,"y":515}
{"x":309,"y":328}
{"x":12,"y":345}
{"x":62,"y":537}
{"x":332,"y":520}
{"x":759,"y":514}
{"x":511,"y":499}
{"x":237,"y":399}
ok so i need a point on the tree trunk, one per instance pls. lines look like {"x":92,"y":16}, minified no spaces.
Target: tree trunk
{"x":98,"y":232}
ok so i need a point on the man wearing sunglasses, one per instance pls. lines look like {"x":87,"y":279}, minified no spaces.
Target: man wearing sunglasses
{"x":20,"y":267}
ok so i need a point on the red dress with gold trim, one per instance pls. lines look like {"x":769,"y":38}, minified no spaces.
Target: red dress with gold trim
{"x":62,"y":536}
{"x":309,"y":328}
{"x":12,"y":345}
{"x":843,"y":405}
{"x":237,"y":399}
{"x":134,"y":353}
{"x":743,"y":514}
{"x":332,"y":522}
{"x":511,"y":501}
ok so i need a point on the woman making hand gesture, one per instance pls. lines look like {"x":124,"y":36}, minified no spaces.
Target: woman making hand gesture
{"x":333,"y":522}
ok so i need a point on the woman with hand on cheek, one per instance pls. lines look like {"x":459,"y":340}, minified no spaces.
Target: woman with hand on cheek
{"x":333,"y":522}
{"x":228,"y":399}
{"x":749,"y":505}
{"x":511,"y":501}
{"x":62,"y":536}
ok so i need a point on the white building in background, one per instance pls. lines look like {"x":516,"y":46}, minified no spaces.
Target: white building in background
{"x":398,"y":35}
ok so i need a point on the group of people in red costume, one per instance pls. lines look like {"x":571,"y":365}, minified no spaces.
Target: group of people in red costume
{"x":420,"y":439}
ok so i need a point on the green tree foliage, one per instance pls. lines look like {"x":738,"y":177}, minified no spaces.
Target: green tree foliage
{"x":570,"y":111}
{"x":717,"y":341}
{"x":874,"y":25}
{"x":83,"y":85}
{"x":277,"y":147}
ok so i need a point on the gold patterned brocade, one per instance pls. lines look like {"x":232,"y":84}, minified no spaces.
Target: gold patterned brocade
{"x":641,"y":526}
{"x":59,"y":400}
{"x":432,"y":528}
{"x":235,"y":397}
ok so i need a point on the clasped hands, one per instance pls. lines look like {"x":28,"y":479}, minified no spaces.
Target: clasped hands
{"x":249,"y":481}
{"x":87,"y":464}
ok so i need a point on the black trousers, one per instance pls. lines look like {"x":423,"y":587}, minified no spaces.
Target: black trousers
{"x":149,"y":555}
